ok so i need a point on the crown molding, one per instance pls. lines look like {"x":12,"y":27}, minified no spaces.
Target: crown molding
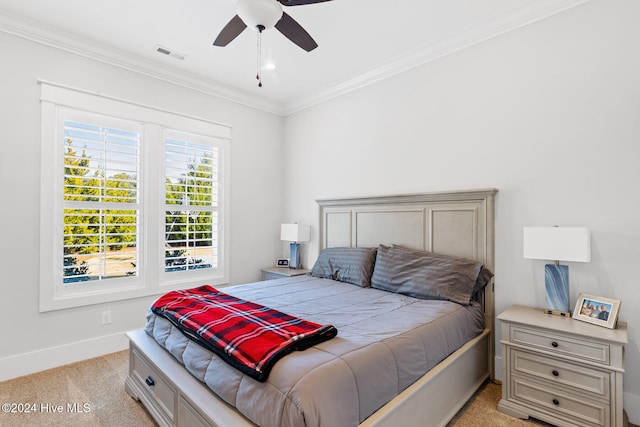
{"x":428,"y":52}
{"x":40,"y":33}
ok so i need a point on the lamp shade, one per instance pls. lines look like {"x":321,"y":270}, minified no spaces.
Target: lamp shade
{"x":557,"y":243}
{"x":295,"y":232}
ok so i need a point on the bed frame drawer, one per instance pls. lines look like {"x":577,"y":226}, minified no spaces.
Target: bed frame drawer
{"x":177,"y":398}
{"x":190,"y":417}
{"x":155,"y":387}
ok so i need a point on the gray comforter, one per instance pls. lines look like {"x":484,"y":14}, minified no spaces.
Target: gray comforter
{"x":385,"y":342}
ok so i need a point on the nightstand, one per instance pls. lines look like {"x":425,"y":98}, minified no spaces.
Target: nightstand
{"x":561,"y":370}
{"x":280,"y":272}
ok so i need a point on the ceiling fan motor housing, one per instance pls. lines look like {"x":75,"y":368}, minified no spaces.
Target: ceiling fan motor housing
{"x":259,"y":13}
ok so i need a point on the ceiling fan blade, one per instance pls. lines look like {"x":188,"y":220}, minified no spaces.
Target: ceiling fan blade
{"x":294,"y":32}
{"x":230,"y":31}
{"x":300,"y":2}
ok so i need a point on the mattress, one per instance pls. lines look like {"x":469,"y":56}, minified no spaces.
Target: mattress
{"x":385,"y":342}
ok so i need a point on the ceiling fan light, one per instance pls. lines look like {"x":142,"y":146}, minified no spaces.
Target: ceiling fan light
{"x":254,"y":13}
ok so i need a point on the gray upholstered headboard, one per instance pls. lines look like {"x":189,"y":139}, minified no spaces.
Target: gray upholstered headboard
{"x":457,"y":223}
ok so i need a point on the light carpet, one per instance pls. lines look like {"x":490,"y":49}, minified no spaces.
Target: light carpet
{"x":88,"y":393}
{"x":482,"y":410}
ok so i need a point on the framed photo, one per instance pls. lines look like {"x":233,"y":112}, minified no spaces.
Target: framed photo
{"x":597,"y":310}
{"x":283,"y":262}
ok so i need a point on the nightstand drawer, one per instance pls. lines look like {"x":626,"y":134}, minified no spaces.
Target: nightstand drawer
{"x":154,"y":385}
{"x":267,"y":275}
{"x":560,"y":344}
{"x":563,"y":374}
{"x":272,"y":273}
{"x":575,"y":409}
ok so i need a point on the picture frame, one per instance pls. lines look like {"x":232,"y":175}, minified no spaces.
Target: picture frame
{"x":591,"y":309}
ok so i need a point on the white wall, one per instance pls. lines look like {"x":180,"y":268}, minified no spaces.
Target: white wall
{"x":548,"y":114}
{"x":31,"y":340}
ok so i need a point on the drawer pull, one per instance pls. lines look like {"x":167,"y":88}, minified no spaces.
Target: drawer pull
{"x":555,"y":373}
{"x":554,"y":344}
{"x":556,"y":402}
{"x":150,"y":382}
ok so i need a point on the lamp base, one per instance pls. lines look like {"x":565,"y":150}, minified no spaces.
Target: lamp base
{"x":557,"y":313}
{"x":294,"y":256}
{"x":556,"y":284}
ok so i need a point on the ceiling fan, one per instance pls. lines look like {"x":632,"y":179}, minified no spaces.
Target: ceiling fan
{"x":264,"y":14}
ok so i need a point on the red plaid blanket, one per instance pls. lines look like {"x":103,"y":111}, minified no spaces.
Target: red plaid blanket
{"x":248,"y":336}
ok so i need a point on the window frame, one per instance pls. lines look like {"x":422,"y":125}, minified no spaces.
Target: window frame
{"x":151,"y":279}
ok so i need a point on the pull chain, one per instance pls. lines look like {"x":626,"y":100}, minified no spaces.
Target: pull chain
{"x":259,"y":62}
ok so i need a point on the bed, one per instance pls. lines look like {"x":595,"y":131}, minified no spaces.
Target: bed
{"x":456,"y":223}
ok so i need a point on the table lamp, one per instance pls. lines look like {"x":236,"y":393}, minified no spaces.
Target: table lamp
{"x":295,"y":233}
{"x":558,"y":244}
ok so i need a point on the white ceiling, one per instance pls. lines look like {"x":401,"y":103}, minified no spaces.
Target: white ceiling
{"x":360,"y":41}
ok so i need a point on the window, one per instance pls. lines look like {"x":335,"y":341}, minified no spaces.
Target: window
{"x":100,"y":190}
{"x":191,"y":202}
{"x":133,"y":200}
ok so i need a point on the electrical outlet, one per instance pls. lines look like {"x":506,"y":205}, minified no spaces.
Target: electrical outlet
{"x":106,"y":317}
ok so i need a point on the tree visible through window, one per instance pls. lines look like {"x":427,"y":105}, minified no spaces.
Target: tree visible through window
{"x":191,"y":204}
{"x":101,"y":202}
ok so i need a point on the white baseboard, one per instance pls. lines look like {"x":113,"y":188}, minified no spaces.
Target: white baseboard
{"x":632,"y":406}
{"x":40,"y":360}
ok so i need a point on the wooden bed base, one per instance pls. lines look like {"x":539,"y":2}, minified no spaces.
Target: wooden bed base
{"x":436,"y":398}
{"x":178,"y":399}
{"x":457,"y":223}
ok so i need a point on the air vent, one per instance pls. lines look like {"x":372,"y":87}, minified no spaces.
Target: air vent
{"x":169,"y":52}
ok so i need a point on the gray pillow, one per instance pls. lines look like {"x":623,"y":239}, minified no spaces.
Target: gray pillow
{"x":425,"y":275}
{"x":483,"y":279}
{"x":350,"y":265}
{"x":484,"y":276}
